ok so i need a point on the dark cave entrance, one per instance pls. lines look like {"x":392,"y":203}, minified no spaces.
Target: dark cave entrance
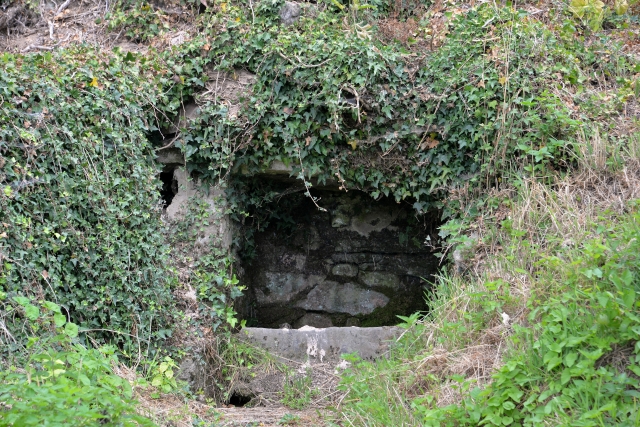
{"x":360,"y":263}
{"x":169,"y":186}
{"x":239,"y":400}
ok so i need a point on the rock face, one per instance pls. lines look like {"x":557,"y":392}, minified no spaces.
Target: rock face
{"x":187,"y":190}
{"x":334,"y":297}
{"x":360,"y":263}
{"x":290,"y":12}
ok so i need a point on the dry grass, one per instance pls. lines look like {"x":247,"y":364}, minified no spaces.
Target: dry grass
{"x":552,"y":216}
{"x":83,"y":22}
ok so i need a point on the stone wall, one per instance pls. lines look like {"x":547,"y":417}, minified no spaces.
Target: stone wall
{"x":360,"y":263}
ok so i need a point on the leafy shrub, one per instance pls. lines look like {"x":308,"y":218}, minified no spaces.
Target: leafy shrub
{"x":61,"y":382}
{"x":297,"y":391}
{"x":585,"y":345}
{"x":139,"y":20}
{"x":574,"y":361}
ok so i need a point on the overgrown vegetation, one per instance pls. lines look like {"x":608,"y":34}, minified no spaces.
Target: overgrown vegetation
{"x":547,"y":332}
{"x":517,"y":124}
{"x":62,"y":383}
{"x":79,"y":207}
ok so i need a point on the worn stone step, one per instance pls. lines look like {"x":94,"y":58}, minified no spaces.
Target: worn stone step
{"x":323,"y":345}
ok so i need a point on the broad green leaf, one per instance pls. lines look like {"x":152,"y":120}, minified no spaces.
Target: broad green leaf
{"x":71,"y":330}
{"x":32,"y":312}
{"x":59,"y":319}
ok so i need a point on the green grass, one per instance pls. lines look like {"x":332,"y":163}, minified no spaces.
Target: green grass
{"x":561,"y":261}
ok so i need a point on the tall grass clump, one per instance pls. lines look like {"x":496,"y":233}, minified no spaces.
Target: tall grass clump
{"x":544,"y":326}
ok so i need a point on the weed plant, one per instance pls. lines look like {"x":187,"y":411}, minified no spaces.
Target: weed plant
{"x":62,"y":383}
{"x":297,"y":392}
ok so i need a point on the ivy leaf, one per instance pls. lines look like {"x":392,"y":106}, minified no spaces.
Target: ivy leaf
{"x":23,"y":301}
{"x":621,"y":6}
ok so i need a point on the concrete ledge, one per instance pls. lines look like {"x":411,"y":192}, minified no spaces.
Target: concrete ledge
{"x":322,"y":345}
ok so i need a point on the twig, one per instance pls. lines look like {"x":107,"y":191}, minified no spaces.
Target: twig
{"x":51,"y":27}
{"x":253,"y":16}
{"x":354,"y":92}
{"x":169,"y":144}
{"x":62,"y":7}
{"x":118,"y":36}
{"x":302,"y":64}
{"x":306,"y":184}
{"x":77,"y":15}
{"x":35,"y":46}
{"x":24,"y":27}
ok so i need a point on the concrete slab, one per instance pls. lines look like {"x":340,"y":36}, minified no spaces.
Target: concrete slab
{"x":309,"y":344}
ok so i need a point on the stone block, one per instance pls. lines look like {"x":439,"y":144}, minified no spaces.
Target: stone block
{"x":282,"y":287}
{"x":339,"y":219}
{"x":323,"y":345}
{"x":313,"y":319}
{"x":352,"y":321}
{"x":345,"y":270}
{"x":170,"y":156}
{"x":333,"y":297}
{"x":380,"y":279}
{"x":290,"y":12}
{"x":376,"y":220}
{"x":220,"y":228}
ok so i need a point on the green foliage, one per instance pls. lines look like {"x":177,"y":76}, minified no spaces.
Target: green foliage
{"x":79,"y":202}
{"x":297,"y":391}
{"x":210,"y":263}
{"x":373,"y":116}
{"x":79,"y":208}
{"x":61,"y":382}
{"x":575,"y":361}
{"x":139,"y":20}
{"x":162,"y":374}
{"x":289,"y":420}
{"x":590,"y":12}
{"x":585,"y":354}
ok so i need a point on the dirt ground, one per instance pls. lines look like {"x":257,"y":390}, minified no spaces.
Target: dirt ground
{"x":53,"y":25}
{"x":265,"y":410}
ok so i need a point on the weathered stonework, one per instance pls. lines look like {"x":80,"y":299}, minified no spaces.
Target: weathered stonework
{"x":346,"y":270}
{"x":220,"y":227}
{"x":359,"y":263}
{"x":313,"y":345}
{"x":334,"y":297}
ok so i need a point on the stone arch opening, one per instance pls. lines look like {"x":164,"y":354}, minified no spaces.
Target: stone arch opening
{"x":359,"y":263}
